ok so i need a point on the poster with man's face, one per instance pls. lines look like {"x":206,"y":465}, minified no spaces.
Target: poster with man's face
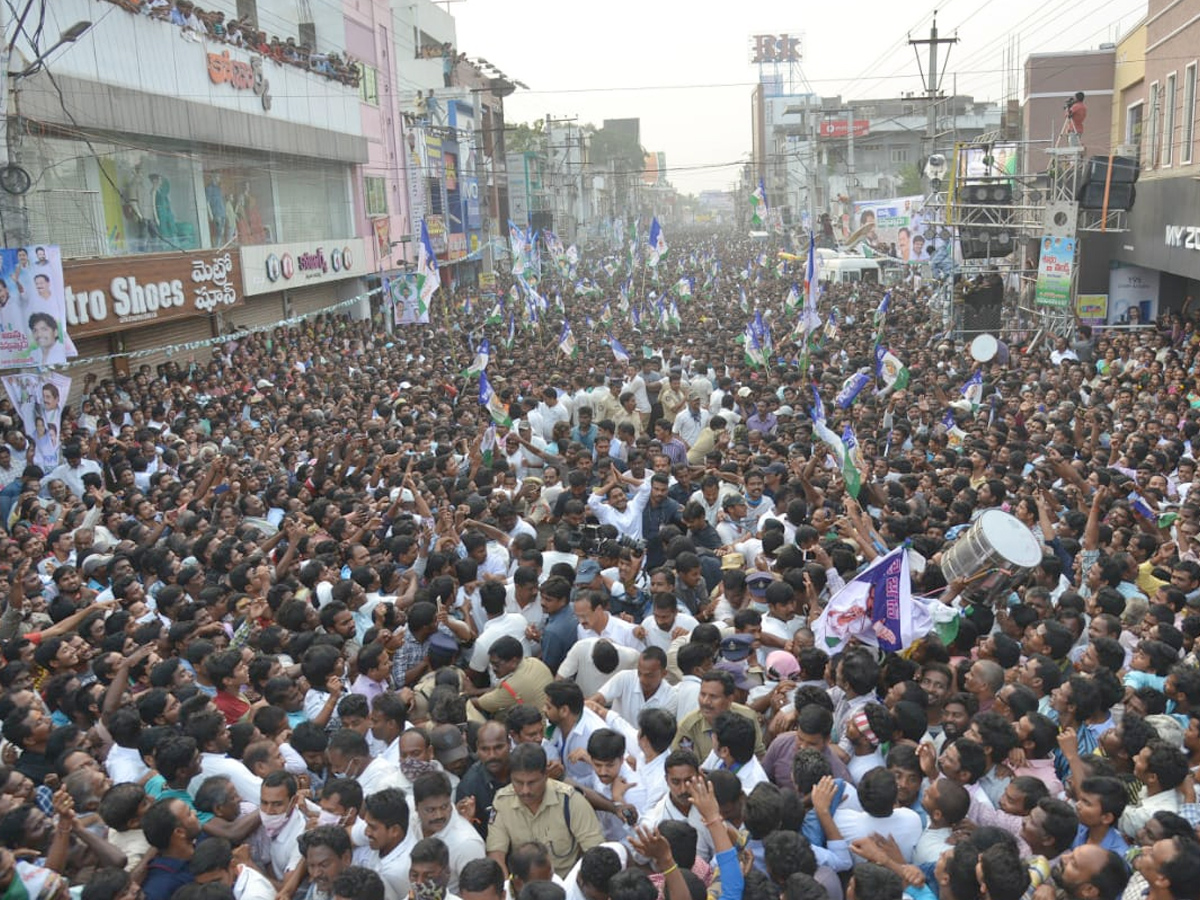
{"x":39,"y":400}
{"x":33,"y":309}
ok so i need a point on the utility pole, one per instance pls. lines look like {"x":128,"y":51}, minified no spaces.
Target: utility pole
{"x":932,"y":78}
{"x":850,"y":173}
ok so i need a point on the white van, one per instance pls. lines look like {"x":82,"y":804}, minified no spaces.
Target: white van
{"x":847,"y":269}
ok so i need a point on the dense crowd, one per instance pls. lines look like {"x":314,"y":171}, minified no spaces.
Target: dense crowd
{"x":288,"y":622}
{"x":211,"y":25}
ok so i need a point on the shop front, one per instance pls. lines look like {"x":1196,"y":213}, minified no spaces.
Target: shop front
{"x":1159,"y":257}
{"x":286,"y":280}
{"x":149,"y":303}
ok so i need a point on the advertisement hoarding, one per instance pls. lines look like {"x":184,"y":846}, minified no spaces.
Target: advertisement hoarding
{"x":1055,"y":267}
{"x":894,"y":226}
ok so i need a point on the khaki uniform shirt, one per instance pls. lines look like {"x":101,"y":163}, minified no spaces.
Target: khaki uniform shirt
{"x":672,"y":400}
{"x":525,"y":686}
{"x":512,"y":824}
{"x":695,"y":735}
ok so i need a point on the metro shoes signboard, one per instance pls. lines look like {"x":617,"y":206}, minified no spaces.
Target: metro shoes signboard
{"x":109,"y":295}
{"x":277,"y":267}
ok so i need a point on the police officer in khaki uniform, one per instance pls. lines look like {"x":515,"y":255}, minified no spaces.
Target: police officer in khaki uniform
{"x":716,"y":696}
{"x":534,"y":807}
{"x":522,"y":681}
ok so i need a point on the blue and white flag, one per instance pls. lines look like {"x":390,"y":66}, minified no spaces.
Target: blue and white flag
{"x":620,"y":354}
{"x":972,"y":391}
{"x":877,"y":608}
{"x":657,"y":244}
{"x":427,"y":273}
{"x":482,"y":355}
{"x":851,"y":388}
{"x":811,"y":319}
{"x":890,"y":370}
{"x":566,"y":340}
{"x":493,"y":404}
{"x":1141,"y":506}
{"x":753,"y":348}
{"x":758,"y":205}
{"x":763,"y":332}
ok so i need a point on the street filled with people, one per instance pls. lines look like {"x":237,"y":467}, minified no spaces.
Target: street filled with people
{"x":627,"y":580}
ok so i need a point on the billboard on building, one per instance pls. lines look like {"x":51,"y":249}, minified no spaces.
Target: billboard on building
{"x":894,"y":227}
{"x":776,"y":48}
{"x":417,"y":158}
{"x":33,"y":309}
{"x":117,"y":293}
{"x":990,"y":161}
{"x":39,"y":400}
{"x":1132,"y":287}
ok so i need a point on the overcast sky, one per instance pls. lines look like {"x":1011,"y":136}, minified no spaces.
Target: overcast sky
{"x":684,"y":70}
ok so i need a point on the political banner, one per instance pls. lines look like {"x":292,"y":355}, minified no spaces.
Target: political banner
{"x":39,"y":400}
{"x":1054,"y":272}
{"x":33,"y":309}
{"x":406,"y":300}
{"x":1092,"y":309}
{"x":894,"y":227}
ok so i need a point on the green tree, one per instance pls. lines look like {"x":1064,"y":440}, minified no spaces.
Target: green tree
{"x":612,"y":146}
{"x":522,"y":138}
{"x":910,"y":181}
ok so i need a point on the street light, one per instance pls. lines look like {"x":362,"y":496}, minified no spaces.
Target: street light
{"x":70,"y":36}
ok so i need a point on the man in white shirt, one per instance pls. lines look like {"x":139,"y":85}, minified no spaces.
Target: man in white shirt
{"x":734,"y":740}
{"x":72,"y":471}
{"x":552,"y":410}
{"x":681,"y":766}
{"x":282,"y":821}
{"x":350,"y":757}
{"x":615,"y":783}
{"x":595,"y":620}
{"x":946,"y":803}
{"x":437,"y":818}
{"x":628,"y":693}
{"x":649,"y":743}
{"x":493,"y":597}
{"x":573,"y":725}
{"x":212,"y":737}
{"x":666,"y":623}
{"x":590,"y":663}
{"x":879,"y":815}
{"x":124,"y":762}
{"x":636,"y":385}
{"x":390,"y":839}
{"x":691,"y":420}
{"x":620,"y":511}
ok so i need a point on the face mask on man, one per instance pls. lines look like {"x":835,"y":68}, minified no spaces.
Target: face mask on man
{"x":274,"y":823}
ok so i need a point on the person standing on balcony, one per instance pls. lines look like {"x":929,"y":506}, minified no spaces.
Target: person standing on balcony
{"x":447,"y":63}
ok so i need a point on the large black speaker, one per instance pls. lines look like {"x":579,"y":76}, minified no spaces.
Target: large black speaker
{"x":1125,"y":169}
{"x":1120,"y":196}
{"x":986,"y":193}
{"x":983,"y":308}
{"x":985,"y":243}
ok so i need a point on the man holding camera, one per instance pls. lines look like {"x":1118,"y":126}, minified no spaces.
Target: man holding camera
{"x":1076,"y":113}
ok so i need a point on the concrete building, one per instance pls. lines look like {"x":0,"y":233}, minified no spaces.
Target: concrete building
{"x":1156,"y":264}
{"x":813,"y":161}
{"x":162,"y":157}
{"x":1050,"y":78}
{"x":453,"y":110}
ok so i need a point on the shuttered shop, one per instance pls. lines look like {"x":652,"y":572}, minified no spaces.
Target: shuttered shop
{"x":89,"y":349}
{"x":165,"y":335}
{"x":311,"y":299}
{"x":257,"y":312}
